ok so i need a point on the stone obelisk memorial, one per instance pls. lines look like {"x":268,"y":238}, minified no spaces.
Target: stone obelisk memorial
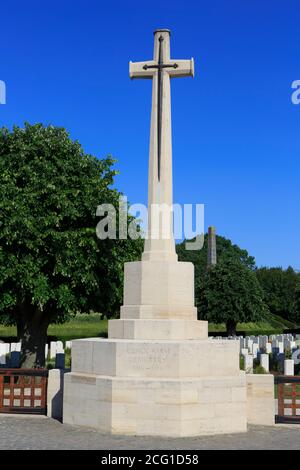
{"x":157,"y":373}
{"x":211,"y":247}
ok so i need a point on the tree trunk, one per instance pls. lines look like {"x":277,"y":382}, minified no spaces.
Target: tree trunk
{"x":32,"y":330}
{"x":20,"y":328}
{"x":231,"y":327}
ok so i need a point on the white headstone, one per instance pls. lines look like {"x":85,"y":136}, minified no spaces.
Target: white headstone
{"x":264,"y":341}
{"x":248,"y":363}
{"x":290,"y":345}
{"x":59,"y":347}
{"x":264,"y":361}
{"x":288,"y":367}
{"x":52,"y":349}
{"x":3,"y":352}
{"x":255,"y":349}
{"x":268,"y":348}
{"x":281,"y":347}
{"x":250,"y":345}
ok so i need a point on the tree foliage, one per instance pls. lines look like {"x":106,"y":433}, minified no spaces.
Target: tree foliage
{"x":230,"y":293}
{"x":281,"y":291}
{"x":51,"y":262}
{"x":225,"y":249}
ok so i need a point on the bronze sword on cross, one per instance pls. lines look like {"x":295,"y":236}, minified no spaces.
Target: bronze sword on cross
{"x":161,"y":64}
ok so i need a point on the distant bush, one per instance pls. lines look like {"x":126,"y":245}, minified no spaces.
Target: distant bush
{"x":259,"y":370}
{"x":288,"y":354}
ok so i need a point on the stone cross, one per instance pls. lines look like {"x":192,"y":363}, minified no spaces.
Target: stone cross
{"x":212,"y":247}
{"x":160,"y":242}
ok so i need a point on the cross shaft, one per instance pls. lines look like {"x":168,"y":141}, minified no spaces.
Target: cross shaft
{"x":160,"y":240}
{"x":159,"y":66}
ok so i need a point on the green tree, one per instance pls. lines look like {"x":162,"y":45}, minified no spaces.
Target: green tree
{"x":230,"y":293}
{"x":280,"y":288}
{"x":225,"y":249}
{"x":51,"y":262}
{"x":296,"y":315}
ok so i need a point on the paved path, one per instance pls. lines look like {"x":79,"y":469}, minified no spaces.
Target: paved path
{"x":45,"y":433}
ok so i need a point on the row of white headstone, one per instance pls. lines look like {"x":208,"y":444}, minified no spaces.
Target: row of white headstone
{"x":260,"y":348}
{"x":56,"y":347}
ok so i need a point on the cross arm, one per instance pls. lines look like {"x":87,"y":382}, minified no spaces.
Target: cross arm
{"x":138,"y":69}
{"x":185,"y":68}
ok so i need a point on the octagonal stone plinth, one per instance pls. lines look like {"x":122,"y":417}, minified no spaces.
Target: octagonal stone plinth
{"x":158,"y":407}
{"x":155,"y":358}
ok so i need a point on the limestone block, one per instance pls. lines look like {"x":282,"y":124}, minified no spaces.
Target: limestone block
{"x":163,"y":311}
{"x":155,"y":358}
{"x":80,"y":395}
{"x":260,"y":399}
{"x":55,"y":393}
{"x":168,"y":286}
{"x":156,"y":406}
{"x":82,"y":353}
{"x":158,"y":329}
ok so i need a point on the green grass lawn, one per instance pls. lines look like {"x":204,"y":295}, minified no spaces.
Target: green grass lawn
{"x":86,"y":326}
{"x":259,"y":328}
{"x":81,"y":326}
{"x":271,"y":325}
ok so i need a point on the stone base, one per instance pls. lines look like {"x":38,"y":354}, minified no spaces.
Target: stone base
{"x":260,"y":399}
{"x":156,"y":387}
{"x":162,"y":311}
{"x":157,"y":329}
{"x":159,"y":290}
{"x":156,"y":407}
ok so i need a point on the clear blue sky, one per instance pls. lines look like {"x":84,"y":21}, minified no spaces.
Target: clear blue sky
{"x":236,"y":134}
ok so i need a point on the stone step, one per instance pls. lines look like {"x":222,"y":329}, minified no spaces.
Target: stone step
{"x":155,"y":358}
{"x":157,"y":329}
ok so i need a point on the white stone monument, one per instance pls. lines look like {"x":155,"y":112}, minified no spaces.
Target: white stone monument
{"x":157,"y":373}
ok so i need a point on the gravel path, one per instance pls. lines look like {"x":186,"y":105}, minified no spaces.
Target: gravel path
{"x":45,"y":433}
